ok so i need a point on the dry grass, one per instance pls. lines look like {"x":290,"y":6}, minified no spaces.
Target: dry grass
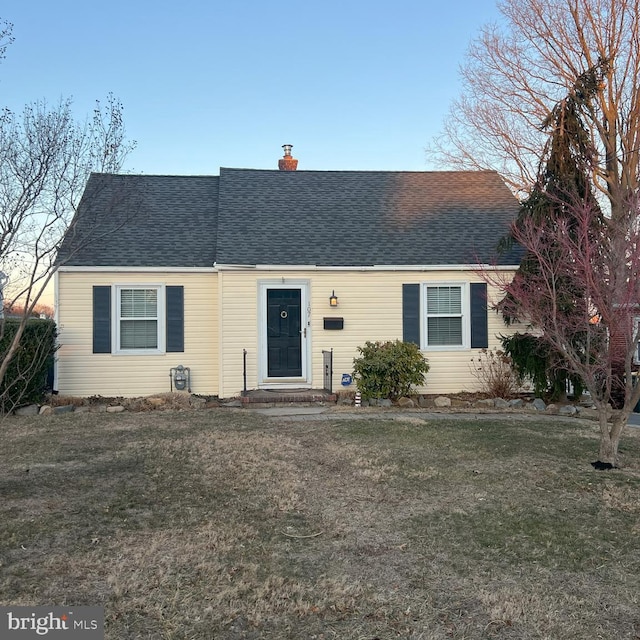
{"x":161,"y":401}
{"x":225,"y":524}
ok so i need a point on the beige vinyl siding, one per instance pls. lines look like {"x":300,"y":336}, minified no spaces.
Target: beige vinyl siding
{"x":80,"y":372}
{"x":238,"y":300}
{"x":370,"y":303}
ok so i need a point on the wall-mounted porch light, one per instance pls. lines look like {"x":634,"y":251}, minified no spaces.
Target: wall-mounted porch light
{"x":333,"y":299}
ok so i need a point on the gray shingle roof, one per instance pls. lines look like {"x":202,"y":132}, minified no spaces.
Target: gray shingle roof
{"x":144,"y":221}
{"x":360,"y":218}
{"x":324,"y":218}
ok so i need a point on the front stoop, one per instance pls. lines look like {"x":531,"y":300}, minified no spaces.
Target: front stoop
{"x":268,"y":398}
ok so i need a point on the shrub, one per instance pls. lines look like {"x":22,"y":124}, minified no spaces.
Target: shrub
{"x":389,"y":369}
{"x":26,"y":377}
{"x":494,"y":372}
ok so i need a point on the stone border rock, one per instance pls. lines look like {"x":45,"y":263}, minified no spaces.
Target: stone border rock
{"x":463,"y":403}
{"x":466,"y":403}
{"x":159,"y":402}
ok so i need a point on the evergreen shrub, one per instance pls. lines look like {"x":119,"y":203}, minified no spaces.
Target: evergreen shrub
{"x":26,"y":379}
{"x":389,"y":369}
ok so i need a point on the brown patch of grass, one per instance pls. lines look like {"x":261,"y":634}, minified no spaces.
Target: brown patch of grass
{"x":229,"y":525}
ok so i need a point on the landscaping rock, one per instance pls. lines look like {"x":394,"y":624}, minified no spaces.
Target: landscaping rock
{"x":117,"y":409}
{"x":406,"y":403}
{"x":28,"y":410}
{"x":45,"y":410}
{"x":552,"y":409}
{"x":65,"y":408}
{"x":486,"y":402}
{"x":442,"y":401}
{"x":538,"y":404}
{"x":516,"y":403}
{"x":424,"y":402}
{"x":379,"y":402}
{"x":568,"y":410}
{"x":500,"y":403}
{"x":85,"y":408}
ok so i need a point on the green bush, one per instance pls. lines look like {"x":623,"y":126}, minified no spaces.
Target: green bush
{"x":26,"y":378}
{"x":533,"y":359}
{"x":389,"y":369}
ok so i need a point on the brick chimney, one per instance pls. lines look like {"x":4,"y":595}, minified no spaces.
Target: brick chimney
{"x":287,"y":162}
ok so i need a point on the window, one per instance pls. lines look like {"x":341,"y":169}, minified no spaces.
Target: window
{"x":444,"y":316}
{"x":144,"y":319}
{"x":138,"y":319}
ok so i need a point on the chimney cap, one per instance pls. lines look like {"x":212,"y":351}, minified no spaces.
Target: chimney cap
{"x":287,"y":162}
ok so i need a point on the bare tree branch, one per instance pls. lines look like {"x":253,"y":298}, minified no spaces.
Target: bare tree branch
{"x":518,"y":70}
{"x":582,"y":299}
{"x":46,"y":158}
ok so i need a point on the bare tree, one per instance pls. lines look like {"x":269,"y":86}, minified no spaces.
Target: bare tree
{"x":46,"y":157}
{"x":574,"y":65}
{"x":583,"y":303}
{"x":518,"y":70}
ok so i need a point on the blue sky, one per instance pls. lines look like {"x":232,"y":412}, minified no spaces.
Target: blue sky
{"x":351,"y":84}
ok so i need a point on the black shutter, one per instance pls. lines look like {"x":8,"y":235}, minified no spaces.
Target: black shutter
{"x":479,"y":323}
{"x":102,"y":319}
{"x":411,"y":313}
{"x":175,"y":318}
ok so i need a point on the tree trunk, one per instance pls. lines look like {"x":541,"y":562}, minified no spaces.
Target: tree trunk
{"x":610,"y":437}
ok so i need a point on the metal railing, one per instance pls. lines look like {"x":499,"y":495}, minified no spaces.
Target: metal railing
{"x":244,"y":372}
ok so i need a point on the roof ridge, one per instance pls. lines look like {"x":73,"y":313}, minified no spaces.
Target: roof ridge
{"x":154,"y":175}
{"x":375,"y":171}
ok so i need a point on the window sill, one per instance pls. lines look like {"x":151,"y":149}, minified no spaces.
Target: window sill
{"x":446,"y":348}
{"x":139,"y":352}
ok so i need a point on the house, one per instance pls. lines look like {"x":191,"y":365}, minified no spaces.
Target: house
{"x":250,"y":278}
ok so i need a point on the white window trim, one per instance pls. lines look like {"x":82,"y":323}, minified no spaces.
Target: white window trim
{"x":466,"y":317}
{"x":115,"y":314}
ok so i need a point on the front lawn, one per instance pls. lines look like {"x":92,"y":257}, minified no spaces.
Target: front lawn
{"x":224,"y":524}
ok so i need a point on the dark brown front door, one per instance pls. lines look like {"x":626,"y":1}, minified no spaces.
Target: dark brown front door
{"x":284,"y":339}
